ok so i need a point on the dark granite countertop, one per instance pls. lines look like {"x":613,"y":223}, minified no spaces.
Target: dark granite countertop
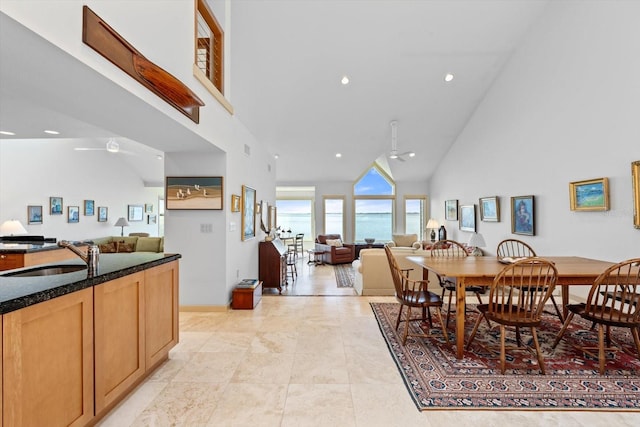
{"x":20,"y":292}
{"x":23,"y":248}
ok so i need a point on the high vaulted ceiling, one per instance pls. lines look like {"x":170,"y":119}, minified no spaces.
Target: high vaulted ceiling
{"x":287,"y":60}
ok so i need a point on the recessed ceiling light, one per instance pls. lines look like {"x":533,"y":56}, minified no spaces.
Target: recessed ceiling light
{"x":276,"y":156}
{"x":412,"y":154}
{"x":159,"y":157}
{"x":52,"y":132}
{"x":448,"y":77}
{"x":338,"y":155}
{"x":345,"y":80}
{"x":6,"y":132}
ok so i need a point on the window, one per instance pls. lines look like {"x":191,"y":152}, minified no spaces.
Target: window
{"x":210,"y":46}
{"x":415,"y":215}
{"x":333,"y":208}
{"x":296,"y":215}
{"x":374,"y":197}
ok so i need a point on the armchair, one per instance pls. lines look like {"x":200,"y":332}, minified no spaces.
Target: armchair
{"x":335,"y":251}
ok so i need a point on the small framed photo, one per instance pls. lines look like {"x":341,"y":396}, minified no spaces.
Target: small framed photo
{"x":248,"y":213}
{"x":235,"y":203}
{"x":451,"y":210}
{"x":73,"y":214}
{"x":136,"y":212}
{"x":55,"y":205}
{"x":522,"y":215}
{"x":489,"y":209}
{"x":272,"y":217}
{"x":148,"y":208}
{"x":468,"y":218}
{"x":89,"y":207}
{"x":589,"y":195}
{"x":152,"y":219}
{"x":103,"y":213}
{"x":34,"y":214}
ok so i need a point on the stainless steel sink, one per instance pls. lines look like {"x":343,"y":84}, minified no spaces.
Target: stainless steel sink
{"x":47,"y":270}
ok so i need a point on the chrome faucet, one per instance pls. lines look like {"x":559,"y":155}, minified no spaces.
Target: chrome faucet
{"x":90,"y":258}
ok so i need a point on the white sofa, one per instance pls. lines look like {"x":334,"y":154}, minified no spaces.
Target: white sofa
{"x":373,"y":276}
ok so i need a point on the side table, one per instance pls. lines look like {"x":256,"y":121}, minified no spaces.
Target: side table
{"x":316,"y":257}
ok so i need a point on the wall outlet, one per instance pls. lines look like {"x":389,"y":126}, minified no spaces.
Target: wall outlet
{"x":237,"y":273}
{"x":206,"y":228}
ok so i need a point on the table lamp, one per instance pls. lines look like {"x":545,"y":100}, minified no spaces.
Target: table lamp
{"x":433,"y":224}
{"x":12,"y":227}
{"x":122,"y":223}
{"x":477,"y":242}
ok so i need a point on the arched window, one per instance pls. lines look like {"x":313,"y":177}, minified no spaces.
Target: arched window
{"x":374,"y":202}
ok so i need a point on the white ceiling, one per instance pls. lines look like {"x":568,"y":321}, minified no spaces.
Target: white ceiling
{"x":287,"y":61}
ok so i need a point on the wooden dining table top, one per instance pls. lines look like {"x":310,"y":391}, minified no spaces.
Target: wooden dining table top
{"x":569,"y":267}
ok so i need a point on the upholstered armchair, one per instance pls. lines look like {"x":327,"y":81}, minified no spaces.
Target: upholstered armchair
{"x":335,"y":251}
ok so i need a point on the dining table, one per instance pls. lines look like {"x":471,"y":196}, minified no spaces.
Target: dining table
{"x":481,"y":270}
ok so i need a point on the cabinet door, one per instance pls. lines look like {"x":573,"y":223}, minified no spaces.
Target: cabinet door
{"x":119,"y":337}
{"x":161,"y":311}
{"x":48,"y":362}
{"x":11,"y":261}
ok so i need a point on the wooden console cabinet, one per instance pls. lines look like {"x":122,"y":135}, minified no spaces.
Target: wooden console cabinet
{"x":272,"y":267}
{"x":9,"y":261}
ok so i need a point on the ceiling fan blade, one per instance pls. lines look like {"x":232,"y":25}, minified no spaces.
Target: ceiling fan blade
{"x":88,"y":149}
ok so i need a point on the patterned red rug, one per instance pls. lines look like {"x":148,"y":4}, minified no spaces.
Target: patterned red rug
{"x":436,"y":379}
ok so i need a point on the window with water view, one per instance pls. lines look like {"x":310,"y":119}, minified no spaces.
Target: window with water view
{"x":374,"y":197}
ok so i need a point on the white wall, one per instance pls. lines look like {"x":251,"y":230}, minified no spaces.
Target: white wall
{"x":31,"y":171}
{"x":564,"y":109}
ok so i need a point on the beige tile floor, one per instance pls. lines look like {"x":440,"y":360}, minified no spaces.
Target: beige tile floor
{"x":301,"y":360}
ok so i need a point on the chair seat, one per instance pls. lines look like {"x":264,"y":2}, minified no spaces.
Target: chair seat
{"x":606,"y":318}
{"x":451,"y":286}
{"x":420,"y":298}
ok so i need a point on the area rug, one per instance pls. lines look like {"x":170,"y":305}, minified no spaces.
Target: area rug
{"x":436,"y":379}
{"x":345,"y":276}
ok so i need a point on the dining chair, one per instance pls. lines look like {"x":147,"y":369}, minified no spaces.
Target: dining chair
{"x":532,"y":277}
{"x":516,"y":249}
{"x":453,"y":249}
{"x":613,"y":300}
{"x":413,"y":294}
{"x":298,"y":244}
{"x":291,"y":261}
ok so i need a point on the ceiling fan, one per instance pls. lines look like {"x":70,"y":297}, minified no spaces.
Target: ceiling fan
{"x":393,"y":154}
{"x":111,"y":146}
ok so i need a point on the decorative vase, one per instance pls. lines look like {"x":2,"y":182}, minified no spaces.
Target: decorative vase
{"x":442,"y":233}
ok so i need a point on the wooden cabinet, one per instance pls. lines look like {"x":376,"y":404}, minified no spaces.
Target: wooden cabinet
{"x":161,"y":312}
{"x":119,"y":337}
{"x":272,"y":264}
{"x":48,"y":362}
{"x":10,"y":261}
{"x":246,"y":298}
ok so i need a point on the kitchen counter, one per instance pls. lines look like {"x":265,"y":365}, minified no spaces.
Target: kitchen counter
{"x":24,"y":248}
{"x":20,"y":292}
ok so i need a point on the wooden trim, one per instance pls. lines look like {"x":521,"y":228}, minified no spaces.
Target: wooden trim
{"x":202,"y":78}
{"x":97,"y":34}
{"x":205,"y":308}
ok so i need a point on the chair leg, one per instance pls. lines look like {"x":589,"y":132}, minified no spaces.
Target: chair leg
{"x":503,"y":358}
{"x":406,"y":326}
{"x":399,"y":316}
{"x":444,"y":329}
{"x":475,"y":329}
{"x":636,"y":338}
{"x":601,"y":357}
{"x":449,"y":308}
{"x":534,"y":333}
{"x":560,"y":316}
{"x":565,"y":325}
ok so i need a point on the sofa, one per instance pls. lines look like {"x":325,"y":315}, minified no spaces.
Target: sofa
{"x":123,"y":244}
{"x":404,"y":241}
{"x":335,"y":250}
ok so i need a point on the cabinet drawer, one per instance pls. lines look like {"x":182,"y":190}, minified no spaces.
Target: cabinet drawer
{"x":11,"y":261}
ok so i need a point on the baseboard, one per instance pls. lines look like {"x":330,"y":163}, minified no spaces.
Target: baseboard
{"x":204,"y":308}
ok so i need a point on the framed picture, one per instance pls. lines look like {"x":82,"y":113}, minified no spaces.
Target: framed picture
{"x":522,"y":215}
{"x":235,"y":203}
{"x":73,"y":214}
{"x":148,"y":208}
{"x":34,"y":214}
{"x":468,"y":218}
{"x":635,"y":178}
{"x":135,"y":213}
{"x":89,"y":207}
{"x":590,"y":195}
{"x":272,"y":217}
{"x":103,"y":213}
{"x":248,"y":213}
{"x":55,"y":205}
{"x":152,"y":219}
{"x":263,"y":208}
{"x":451,"y":210}
{"x":489,"y":209}
{"x":194,"y":192}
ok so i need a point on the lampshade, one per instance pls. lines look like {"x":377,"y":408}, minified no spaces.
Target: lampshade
{"x":432,"y":223}
{"x":12,"y":227}
{"x":477,"y":240}
{"x":121,"y":222}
